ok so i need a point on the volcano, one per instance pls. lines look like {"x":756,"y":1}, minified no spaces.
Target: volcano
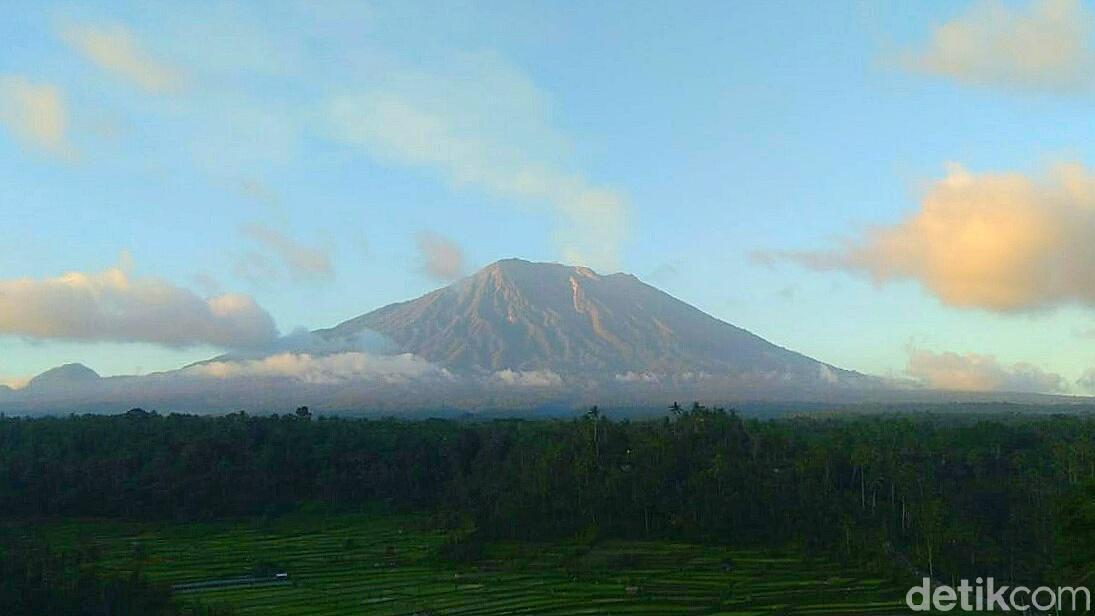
{"x":525,"y":316}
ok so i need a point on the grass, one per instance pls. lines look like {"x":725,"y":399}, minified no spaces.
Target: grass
{"x":388,"y":565}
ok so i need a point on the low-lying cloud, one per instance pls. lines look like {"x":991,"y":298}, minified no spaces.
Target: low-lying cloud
{"x":1003,"y":242}
{"x":1045,"y":46}
{"x":526,"y":378}
{"x":323,"y":369}
{"x":637,"y":377}
{"x":981,"y":373}
{"x":35,"y":114}
{"x":441,"y":257}
{"x":113,"y":306}
{"x":114,"y":49}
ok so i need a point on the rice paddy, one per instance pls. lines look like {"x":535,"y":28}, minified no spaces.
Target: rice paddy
{"x":389,"y":565}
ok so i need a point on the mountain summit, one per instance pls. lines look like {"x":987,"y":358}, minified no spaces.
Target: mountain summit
{"x":519,"y":315}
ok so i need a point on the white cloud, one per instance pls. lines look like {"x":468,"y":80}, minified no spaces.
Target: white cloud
{"x":483,"y":124}
{"x":1002,"y":242}
{"x":973,"y":372}
{"x":114,"y":49}
{"x":113,"y":306}
{"x":441,"y":257}
{"x":324,"y":369}
{"x":304,"y":263}
{"x":1046,"y":46}
{"x":35,"y":113}
{"x":526,"y":378}
{"x":637,"y":377}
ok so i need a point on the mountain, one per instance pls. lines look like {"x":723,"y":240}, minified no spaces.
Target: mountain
{"x":514,"y":338}
{"x":523,"y":316}
{"x":66,"y":376}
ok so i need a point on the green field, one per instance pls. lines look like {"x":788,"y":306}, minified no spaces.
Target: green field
{"x":369,"y":564}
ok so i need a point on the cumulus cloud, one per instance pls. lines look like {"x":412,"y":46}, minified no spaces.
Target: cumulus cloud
{"x":35,"y":114}
{"x":483,"y":124}
{"x":996,"y":241}
{"x":1044,"y":46}
{"x":526,"y":378}
{"x":114,"y":49}
{"x":113,"y":306}
{"x":323,"y":369}
{"x":304,"y":263}
{"x":441,"y":257}
{"x":973,"y":372}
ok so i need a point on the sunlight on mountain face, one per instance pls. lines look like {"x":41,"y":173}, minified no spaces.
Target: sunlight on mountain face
{"x":514,"y":314}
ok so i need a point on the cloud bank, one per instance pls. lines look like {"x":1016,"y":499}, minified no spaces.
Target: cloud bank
{"x":35,"y":114}
{"x":997,"y":241}
{"x":526,"y":378}
{"x":112,"y":306}
{"x":441,"y":257}
{"x":324,"y":369}
{"x":115,"y":50}
{"x":484,"y":125}
{"x":973,"y":372}
{"x":1044,"y":46}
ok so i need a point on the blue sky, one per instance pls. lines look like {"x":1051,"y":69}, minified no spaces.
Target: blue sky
{"x":324,"y":159}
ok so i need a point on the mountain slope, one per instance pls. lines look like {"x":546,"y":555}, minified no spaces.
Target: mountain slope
{"x":519,"y":315}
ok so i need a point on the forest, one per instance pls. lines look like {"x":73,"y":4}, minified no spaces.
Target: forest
{"x":947,"y":496}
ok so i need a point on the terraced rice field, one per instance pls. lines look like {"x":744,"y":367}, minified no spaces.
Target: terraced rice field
{"x":388,"y":565}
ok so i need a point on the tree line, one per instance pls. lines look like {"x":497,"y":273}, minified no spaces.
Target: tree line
{"x":1010,"y":497}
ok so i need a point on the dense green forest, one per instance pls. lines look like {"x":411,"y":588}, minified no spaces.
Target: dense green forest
{"x":36,"y":580}
{"x":1001,"y":495}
